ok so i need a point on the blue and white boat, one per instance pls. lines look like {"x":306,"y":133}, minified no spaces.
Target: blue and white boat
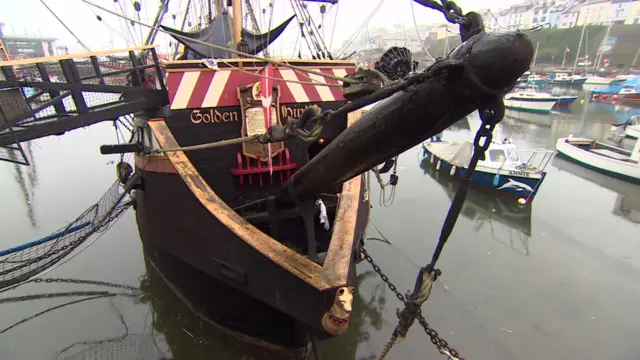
{"x":535,"y":79}
{"x":530,"y":100}
{"x":504,"y":170}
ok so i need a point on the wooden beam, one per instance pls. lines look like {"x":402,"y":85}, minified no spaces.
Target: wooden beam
{"x":291,"y":261}
{"x":339,"y":255}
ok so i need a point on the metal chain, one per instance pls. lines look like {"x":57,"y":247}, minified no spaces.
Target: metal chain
{"x":440,"y":343}
{"x":83,"y":282}
{"x":450,"y":9}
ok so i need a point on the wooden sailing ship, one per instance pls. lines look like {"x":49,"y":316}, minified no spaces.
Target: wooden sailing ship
{"x":265,"y":237}
{"x":212,"y":214}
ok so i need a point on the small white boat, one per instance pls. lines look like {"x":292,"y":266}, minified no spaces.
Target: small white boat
{"x":619,"y":79}
{"x":597,"y":80}
{"x":530,"y":100}
{"x":506,"y":170}
{"x":632,"y":129}
{"x":603,"y":158}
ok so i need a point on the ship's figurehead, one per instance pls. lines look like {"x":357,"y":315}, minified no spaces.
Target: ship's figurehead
{"x":336,"y":320}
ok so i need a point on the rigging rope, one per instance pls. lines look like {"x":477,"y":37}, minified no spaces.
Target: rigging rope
{"x":362,"y":26}
{"x":240,"y":53}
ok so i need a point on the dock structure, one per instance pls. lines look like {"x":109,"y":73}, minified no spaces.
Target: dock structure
{"x":47,"y":96}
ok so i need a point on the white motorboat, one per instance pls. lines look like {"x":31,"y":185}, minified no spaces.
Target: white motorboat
{"x":597,"y":80}
{"x":530,"y":100}
{"x":632,"y":129}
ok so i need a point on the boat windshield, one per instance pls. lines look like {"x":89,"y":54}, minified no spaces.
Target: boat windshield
{"x":500,"y":156}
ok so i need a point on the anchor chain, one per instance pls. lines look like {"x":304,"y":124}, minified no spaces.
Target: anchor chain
{"x":440,"y":343}
{"x":83,"y":282}
{"x":490,"y":116}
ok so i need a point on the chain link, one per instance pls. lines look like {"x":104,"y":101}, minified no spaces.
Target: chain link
{"x":440,"y":343}
{"x":450,"y":9}
{"x":83,"y":282}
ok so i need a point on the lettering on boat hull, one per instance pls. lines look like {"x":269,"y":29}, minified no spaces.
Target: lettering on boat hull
{"x":213,"y":116}
{"x":518,"y":173}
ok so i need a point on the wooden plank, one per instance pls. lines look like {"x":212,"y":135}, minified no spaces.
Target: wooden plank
{"x":291,"y":261}
{"x":339,"y":255}
{"x":74,"y":56}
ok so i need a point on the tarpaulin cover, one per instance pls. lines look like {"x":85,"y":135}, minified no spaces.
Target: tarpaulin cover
{"x":219,"y":33}
{"x":633,"y":83}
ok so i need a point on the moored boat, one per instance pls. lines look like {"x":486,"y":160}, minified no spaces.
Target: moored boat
{"x":565,"y":100}
{"x":503,"y":171}
{"x":535,"y":79}
{"x":563,"y":78}
{"x":603,"y":158}
{"x":632,"y":128}
{"x":272,"y":270}
{"x":598,"y":80}
{"x":530,"y":100}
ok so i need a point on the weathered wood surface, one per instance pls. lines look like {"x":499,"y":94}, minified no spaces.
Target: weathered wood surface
{"x":333,"y":274}
{"x":406,"y":118}
{"x":336,"y":264}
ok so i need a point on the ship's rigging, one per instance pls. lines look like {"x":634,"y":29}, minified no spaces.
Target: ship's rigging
{"x":456,"y":78}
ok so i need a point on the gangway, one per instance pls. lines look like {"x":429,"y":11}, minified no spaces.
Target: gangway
{"x":47,"y":96}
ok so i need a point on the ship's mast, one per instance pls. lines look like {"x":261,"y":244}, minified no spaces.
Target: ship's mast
{"x":218,"y":7}
{"x":237,"y":21}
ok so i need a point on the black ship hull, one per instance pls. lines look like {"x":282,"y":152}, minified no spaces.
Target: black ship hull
{"x":220,"y":276}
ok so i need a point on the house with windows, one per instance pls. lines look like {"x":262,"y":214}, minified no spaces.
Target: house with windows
{"x":595,"y":12}
{"x":620,"y":10}
{"x":555,"y":14}
{"x":516,"y":17}
{"x":569,"y":17}
{"x":634,"y":13}
{"x":542,"y":14}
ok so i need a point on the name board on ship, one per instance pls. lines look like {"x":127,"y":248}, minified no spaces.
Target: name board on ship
{"x":214,"y":116}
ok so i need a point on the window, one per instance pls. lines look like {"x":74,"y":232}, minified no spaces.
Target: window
{"x":635,"y":21}
{"x":544,"y":18}
{"x":544,"y":11}
{"x":535,"y":19}
{"x":497,"y":156}
{"x":535,"y":12}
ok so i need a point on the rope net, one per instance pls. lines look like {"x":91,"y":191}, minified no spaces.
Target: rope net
{"x":27,"y":260}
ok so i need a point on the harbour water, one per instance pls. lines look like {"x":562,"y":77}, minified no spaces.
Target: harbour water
{"x":557,"y":280}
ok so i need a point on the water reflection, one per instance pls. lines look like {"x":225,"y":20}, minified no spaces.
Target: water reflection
{"x":627,"y":203}
{"x":27,"y":179}
{"x":484,"y":208}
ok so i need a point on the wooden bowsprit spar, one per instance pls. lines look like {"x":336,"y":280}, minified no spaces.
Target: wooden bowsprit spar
{"x":484,"y":67}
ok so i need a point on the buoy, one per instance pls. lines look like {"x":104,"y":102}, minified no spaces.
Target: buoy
{"x":614,"y":102}
{"x":615,"y":97}
{"x":522,"y":201}
{"x":581,"y":101}
{"x":595,"y":96}
{"x":604,"y":97}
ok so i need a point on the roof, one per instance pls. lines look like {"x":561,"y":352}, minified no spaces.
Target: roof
{"x":592,"y":2}
{"x":516,"y":9}
{"x":27,"y":38}
{"x":573,"y":9}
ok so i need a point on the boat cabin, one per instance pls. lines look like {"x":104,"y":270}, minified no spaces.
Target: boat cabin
{"x":500,"y":154}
